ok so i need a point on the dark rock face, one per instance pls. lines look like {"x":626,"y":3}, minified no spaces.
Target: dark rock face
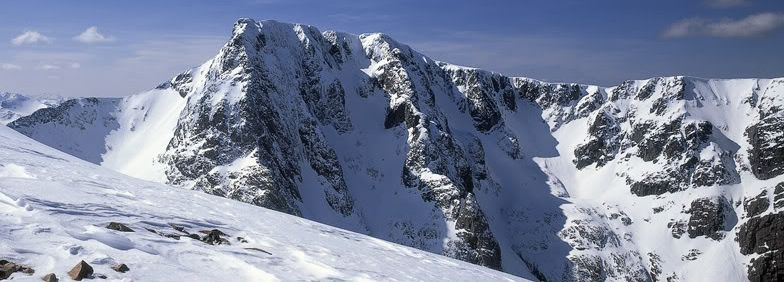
{"x":602,"y":144}
{"x":757,"y":205}
{"x":477,"y":243}
{"x":708,"y":217}
{"x":481,"y":106}
{"x":778,"y":196}
{"x":653,"y":184}
{"x":766,"y":154}
{"x":764,"y":236}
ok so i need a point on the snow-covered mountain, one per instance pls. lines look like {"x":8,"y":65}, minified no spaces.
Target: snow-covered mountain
{"x":671,"y":178}
{"x":54,"y":210}
{"x":14,"y":106}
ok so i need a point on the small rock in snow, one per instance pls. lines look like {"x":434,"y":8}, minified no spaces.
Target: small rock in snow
{"x":213,"y":237}
{"x":7,"y":268}
{"x":50,"y":278}
{"x":119,"y":227}
{"x":80,"y":271}
{"x":178,"y":227}
{"x":122,"y":268}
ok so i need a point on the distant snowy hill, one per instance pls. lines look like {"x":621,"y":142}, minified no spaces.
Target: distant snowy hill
{"x":54,"y":209}
{"x":13,"y":106}
{"x":669,"y":178}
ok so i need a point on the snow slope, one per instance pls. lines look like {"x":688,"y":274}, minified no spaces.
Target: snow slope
{"x":53,"y":209}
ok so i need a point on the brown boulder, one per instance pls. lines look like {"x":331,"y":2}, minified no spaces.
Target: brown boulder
{"x":50,"y":278}
{"x":80,"y":271}
{"x":7,"y":268}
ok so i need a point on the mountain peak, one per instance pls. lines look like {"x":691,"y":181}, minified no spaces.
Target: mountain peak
{"x":550,"y":181}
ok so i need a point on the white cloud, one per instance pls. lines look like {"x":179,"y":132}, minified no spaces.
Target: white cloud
{"x":754,"y":25}
{"x":91,"y":35}
{"x":49,"y":67}
{"x":726,"y":3}
{"x":30,"y":37}
{"x":10,"y":67}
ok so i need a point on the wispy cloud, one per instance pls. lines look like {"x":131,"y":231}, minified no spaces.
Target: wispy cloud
{"x":92,"y":36}
{"x":726,"y":3}
{"x":30,"y":37}
{"x":75,"y":65}
{"x":10,"y":67}
{"x":753,"y":25}
{"x":49,"y":67}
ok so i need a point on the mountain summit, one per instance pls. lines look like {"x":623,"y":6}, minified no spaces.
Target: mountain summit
{"x":660,"y":179}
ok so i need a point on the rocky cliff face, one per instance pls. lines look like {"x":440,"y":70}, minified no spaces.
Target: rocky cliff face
{"x":652,"y":180}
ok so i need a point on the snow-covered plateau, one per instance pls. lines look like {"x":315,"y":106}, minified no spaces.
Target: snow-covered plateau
{"x":663,"y":179}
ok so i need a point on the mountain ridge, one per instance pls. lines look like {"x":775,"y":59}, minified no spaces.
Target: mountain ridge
{"x":15,"y":105}
{"x":364,"y":133}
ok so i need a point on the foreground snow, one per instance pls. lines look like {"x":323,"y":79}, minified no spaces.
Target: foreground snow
{"x":53,"y":209}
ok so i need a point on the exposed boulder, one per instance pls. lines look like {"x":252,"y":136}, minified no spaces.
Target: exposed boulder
{"x":8,"y":268}
{"x":122,"y":268}
{"x":119,"y":227}
{"x":80,"y":271}
{"x":51,"y":277}
{"x":213,"y":237}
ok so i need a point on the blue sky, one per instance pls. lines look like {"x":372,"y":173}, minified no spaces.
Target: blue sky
{"x":117,"y":48}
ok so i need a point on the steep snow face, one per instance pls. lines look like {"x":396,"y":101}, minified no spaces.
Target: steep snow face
{"x":660,"y":179}
{"x":14,"y":106}
{"x":54,"y":210}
